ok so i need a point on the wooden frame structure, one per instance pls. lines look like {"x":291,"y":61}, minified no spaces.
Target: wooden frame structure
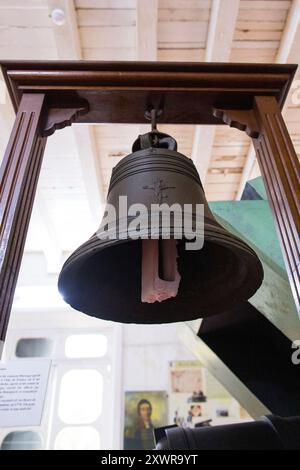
{"x":48,"y":96}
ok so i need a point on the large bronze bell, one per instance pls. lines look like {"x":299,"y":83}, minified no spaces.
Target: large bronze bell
{"x":102,"y":278}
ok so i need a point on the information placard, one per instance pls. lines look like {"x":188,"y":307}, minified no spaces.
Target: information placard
{"x":23,"y":387}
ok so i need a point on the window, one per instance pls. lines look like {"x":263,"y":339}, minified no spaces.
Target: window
{"x":34,"y":347}
{"x":22,"y":440}
{"x":86,"y":346}
{"x":81,"y":395}
{"x":77,"y":438}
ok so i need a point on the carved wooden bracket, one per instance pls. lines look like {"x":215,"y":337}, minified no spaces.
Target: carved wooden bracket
{"x":60,"y":117}
{"x":244,"y":120}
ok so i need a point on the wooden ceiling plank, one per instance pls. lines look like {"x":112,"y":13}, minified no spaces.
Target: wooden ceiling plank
{"x":16,"y":36}
{"x":172,"y":14}
{"x":108,"y":53}
{"x":257,"y":35}
{"x":24,"y":17}
{"x":252,"y":55}
{"x":107,"y":17}
{"x":261,"y":4}
{"x":185,"y":4}
{"x":117,"y":36}
{"x":263,"y":25}
{"x":250,"y":44}
{"x":7,"y":52}
{"x":19,"y":4}
{"x":182,"y":32}
{"x":252,"y":14}
{"x":181,"y":55}
{"x":105,"y":4}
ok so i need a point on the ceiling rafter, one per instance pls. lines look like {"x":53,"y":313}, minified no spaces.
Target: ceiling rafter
{"x":69,"y":47}
{"x":146,"y":29}
{"x":219,"y":39}
{"x":146,"y":35}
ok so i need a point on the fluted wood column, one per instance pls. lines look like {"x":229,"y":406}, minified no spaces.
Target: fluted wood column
{"x":280,"y":170}
{"x":18,"y":181}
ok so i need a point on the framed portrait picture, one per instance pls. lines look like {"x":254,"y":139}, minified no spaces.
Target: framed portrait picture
{"x":144,"y":411}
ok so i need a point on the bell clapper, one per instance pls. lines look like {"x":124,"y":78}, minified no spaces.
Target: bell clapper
{"x":160,"y":276}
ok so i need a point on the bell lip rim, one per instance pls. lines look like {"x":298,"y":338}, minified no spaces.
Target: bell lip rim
{"x":203,"y":311}
{"x":255,"y":267}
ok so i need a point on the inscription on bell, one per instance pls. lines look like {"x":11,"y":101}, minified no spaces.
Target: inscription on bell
{"x":158,"y":187}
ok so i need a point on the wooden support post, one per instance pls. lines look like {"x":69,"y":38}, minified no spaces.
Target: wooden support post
{"x":280,"y":170}
{"x":18,"y":181}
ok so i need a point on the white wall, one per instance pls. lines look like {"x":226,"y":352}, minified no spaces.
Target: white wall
{"x":147,"y":352}
{"x":140,"y":357}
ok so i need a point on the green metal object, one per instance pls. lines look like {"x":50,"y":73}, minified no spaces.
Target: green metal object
{"x":252,"y":221}
{"x":258,"y":185}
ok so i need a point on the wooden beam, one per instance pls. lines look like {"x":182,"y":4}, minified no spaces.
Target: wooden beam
{"x":68,"y":47}
{"x":116,"y":92}
{"x":218,"y":46}
{"x":286,"y":44}
{"x":146,"y":29}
